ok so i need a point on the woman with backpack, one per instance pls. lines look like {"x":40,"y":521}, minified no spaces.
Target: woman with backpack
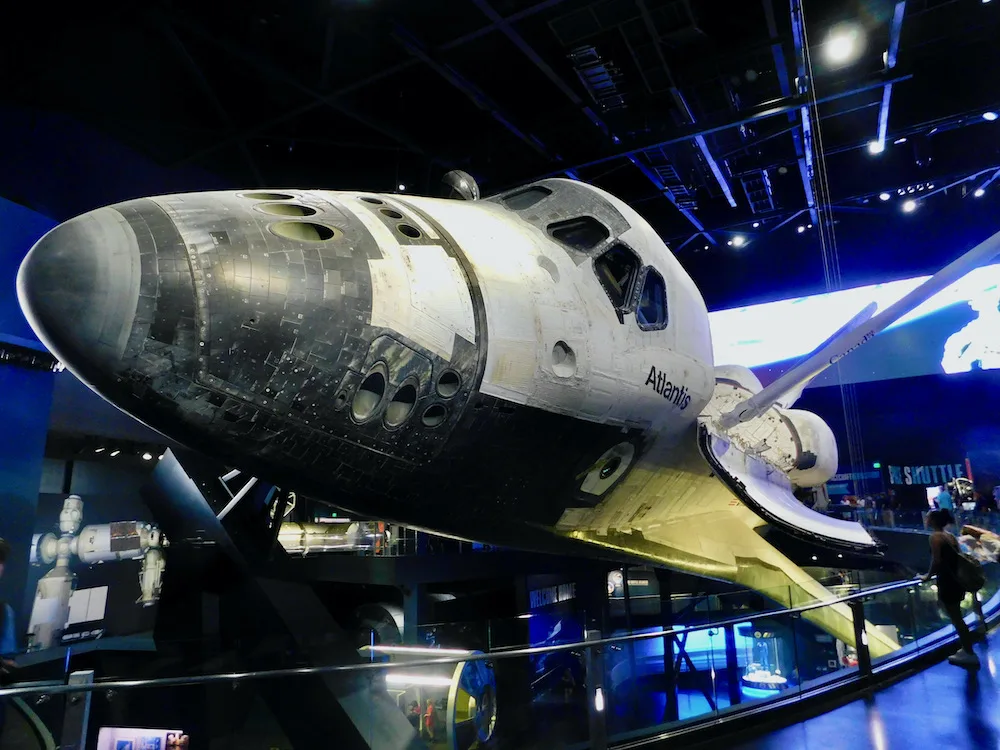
{"x":945,"y":562}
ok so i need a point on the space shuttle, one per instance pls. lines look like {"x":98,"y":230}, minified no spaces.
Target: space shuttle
{"x":532,"y":369}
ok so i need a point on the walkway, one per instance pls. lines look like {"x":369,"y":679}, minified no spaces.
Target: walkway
{"x":941,"y":707}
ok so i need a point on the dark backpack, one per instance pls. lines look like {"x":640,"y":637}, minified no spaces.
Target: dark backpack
{"x":969,"y":572}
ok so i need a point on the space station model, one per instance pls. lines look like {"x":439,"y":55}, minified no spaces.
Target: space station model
{"x":532,"y":369}
{"x":92,"y":545}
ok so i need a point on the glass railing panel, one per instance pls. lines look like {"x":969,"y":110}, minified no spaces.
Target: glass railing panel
{"x":659,"y":682}
{"x":894,"y":614}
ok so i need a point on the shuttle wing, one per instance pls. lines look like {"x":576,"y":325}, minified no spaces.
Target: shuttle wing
{"x":859,"y":330}
{"x":675,"y":508}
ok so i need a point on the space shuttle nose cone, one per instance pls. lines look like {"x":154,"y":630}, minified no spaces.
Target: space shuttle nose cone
{"x":79,"y":286}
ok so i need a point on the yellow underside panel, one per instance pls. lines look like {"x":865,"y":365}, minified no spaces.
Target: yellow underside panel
{"x":672,"y":511}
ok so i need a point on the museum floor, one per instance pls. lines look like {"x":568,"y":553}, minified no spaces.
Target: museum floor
{"x":941,"y":707}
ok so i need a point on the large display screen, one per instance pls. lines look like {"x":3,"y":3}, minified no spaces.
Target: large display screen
{"x":96,"y":569}
{"x":957,"y":330}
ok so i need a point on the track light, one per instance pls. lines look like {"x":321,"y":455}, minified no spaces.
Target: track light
{"x":99,"y":450}
{"x":989,"y":116}
{"x":979,"y":193}
{"x":801,"y":229}
{"x":875,"y":147}
{"x":147,"y":456}
{"x":842,"y":46}
{"x":884,"y":196}
{"x":909,"y":206}
{"x":756,"y":224}
{"x":739,"y":240}
{"x":114,"y":453}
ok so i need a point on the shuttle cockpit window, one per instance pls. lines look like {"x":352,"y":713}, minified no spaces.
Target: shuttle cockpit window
{"x":582,"y":233}
{"x":526,"y":198}
{"x":617,"y":269}
{"x":651,"y":312}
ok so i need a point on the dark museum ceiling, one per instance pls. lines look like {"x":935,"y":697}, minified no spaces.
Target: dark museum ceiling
{"x":670,"y":104}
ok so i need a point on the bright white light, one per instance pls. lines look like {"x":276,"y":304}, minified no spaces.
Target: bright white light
{"x":979,"y":193}
{"x":598,"y":700}
{"x":98,"y":450}
{"x":402,"y":186}
{"x":840,"y":556}
{"x":756,"y":224}
{"x":909,"y":206}
{"x":420,"y":650}
{"x":739,"y":240}
{"x":874,"y":147}
{"x":884,"y":196}
{"x":147,"y":456}
{"x":900,"y":140}
{"x":989,"y":116}
{"x":842,"y":46}
{"x":160,"y":457}
{"x":801,"y":229}
{"x":115,"y":453}
{"x":815,"y":558}
{"x":398,"y":678}
{"x":524,"y":617}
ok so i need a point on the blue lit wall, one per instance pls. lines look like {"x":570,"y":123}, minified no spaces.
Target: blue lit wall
{"x":957,"y":330}
{"x":25,"y":400}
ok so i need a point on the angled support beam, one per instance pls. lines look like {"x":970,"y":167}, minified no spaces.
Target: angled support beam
{"x":895,"y":30}
{"x":318,"y":99}
{"x":803,"y":142}
{"x":511,"y":33}
{"x":265,"y":125}
{"x":416,"y":48}
{"x":700,"y":141}
{"x":774,"y":108}
{"x":181,"y":50}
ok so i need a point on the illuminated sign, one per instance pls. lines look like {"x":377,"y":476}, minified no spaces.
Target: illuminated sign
{"x":551,"y":595}
{"x":925,"y":475}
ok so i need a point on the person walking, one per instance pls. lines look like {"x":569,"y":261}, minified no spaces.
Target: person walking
{"x":951,"y":593}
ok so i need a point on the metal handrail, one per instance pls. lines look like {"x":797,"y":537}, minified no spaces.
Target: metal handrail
{"x":500,"y":653}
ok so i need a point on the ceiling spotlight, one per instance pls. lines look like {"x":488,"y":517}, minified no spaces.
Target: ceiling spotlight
{"x":840,"y":556}
{"x":900,"y":140}
{"x":114,"y":453}
{"x":815,"y":558}
{"x":979,"y":193}
{"x":842,"y":45}
{"x":147,"y":456}
{"x":884,"y":196}
{"x":801,"y":229}
{"x":402,"y":186}
{"x":706,"y":247}
{"x":756,"y":224}
{"x":98,"y":450}
{"x":875,"y":147}
{"x":909,"y":206}
{"x":160,"y":457}
{"x":900,"y":191}
{"x":738,"y":241}
{"x":989,"y":116}
{"x":809,"y":226}
{"x":909,"y":190}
